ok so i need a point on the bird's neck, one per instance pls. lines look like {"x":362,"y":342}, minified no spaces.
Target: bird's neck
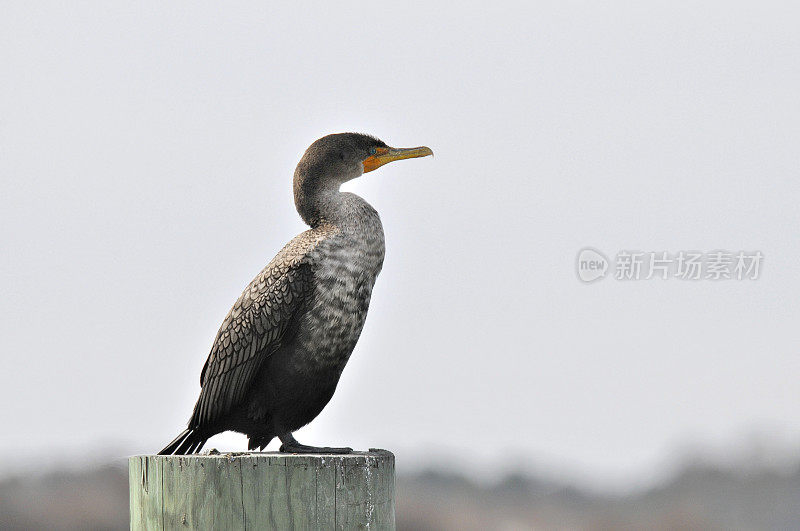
{"x":318,"y":201}
{"x":326,"y":205}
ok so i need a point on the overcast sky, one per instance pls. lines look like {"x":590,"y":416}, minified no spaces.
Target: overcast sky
{"x":146,"y":157}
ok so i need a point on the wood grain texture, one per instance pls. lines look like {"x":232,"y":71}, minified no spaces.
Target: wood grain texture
{"x":266,"y":490}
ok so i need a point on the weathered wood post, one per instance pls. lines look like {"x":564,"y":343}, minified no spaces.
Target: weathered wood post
{"x":266,"y":490}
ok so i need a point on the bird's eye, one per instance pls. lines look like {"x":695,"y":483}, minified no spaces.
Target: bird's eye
{"x":373,"y":150}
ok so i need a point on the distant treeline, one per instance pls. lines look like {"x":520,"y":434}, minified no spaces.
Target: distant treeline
{"x":701,"y":497}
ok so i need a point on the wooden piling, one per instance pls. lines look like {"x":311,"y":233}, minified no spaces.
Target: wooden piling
{"x":266,"y":490}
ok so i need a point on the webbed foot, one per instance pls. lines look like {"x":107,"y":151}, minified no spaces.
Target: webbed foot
{"x":291,"y":446}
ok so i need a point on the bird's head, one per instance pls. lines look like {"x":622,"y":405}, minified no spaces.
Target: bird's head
{"x":338,"y":158}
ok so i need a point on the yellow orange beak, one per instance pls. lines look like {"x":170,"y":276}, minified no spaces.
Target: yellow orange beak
{"x":386,"y":155}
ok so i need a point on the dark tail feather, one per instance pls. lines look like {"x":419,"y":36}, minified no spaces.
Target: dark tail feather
{"x":188,"y":442}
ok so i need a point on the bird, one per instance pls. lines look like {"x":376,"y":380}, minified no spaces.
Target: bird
{"x":280,"y":351}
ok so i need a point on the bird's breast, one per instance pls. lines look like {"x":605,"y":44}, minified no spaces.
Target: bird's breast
{"x":345,"y":268}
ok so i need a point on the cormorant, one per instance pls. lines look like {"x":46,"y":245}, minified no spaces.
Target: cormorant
{"x":281,"y":349}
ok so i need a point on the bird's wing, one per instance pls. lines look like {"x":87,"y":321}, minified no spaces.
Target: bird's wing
{"x":251,"y":332}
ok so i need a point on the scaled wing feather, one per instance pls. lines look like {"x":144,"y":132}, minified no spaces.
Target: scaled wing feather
{"x":251,"y":332}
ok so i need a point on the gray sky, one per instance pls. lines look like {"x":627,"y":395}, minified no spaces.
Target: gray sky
{"x":146,"y":155}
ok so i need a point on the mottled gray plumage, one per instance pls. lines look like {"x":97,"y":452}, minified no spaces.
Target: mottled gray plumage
{"x":281,"y":349}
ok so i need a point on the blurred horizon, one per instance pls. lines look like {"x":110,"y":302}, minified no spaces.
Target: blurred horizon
{"x":756,"y":452}
{"x":700,"y":494}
